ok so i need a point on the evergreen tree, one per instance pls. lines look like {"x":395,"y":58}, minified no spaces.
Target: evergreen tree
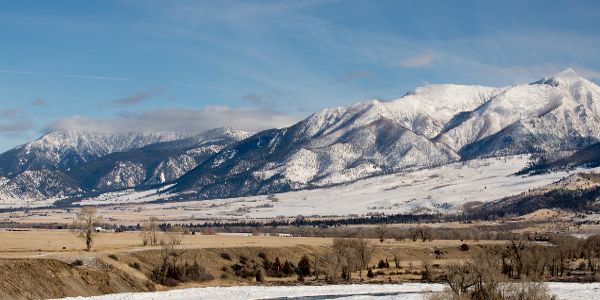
{"x":276,"y":267}
{"x":287,"y":268}
{"x":304,"y":266}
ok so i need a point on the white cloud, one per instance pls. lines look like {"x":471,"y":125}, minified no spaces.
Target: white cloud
{"x":180,"y":120}
{"x":420,"y":60}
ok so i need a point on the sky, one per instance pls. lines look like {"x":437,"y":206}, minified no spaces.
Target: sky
{"x":188,"y":66}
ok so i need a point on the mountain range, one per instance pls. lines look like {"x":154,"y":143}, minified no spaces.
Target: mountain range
{"x":430,"y":126}
{"x":69,"y":163}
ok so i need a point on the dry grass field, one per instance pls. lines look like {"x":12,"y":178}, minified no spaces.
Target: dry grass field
{"x":41,"y":240}
{"x":119,"y":262}
{"x":36,"y":241}
{"x":51,"y":256}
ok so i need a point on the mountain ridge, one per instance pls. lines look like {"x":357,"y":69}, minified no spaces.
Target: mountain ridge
{"x":66,"y":163}
{"x":432,"y":125}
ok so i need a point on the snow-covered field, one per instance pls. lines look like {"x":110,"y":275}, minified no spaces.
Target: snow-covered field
{"x":444,"y":189}
{"x":9,"y":201}
{"x":125,"y":196}
{"x":407,"y":291}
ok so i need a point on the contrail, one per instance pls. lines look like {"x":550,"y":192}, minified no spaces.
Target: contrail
{"x":79,"y":76}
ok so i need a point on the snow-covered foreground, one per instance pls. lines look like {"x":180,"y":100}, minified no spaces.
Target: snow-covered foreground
{"x":408,"y":291}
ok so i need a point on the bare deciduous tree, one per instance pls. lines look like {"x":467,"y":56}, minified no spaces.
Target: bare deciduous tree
{"x":482,"y":279}
{"x":382,"y":231}
{"x":150,"y":234}
{"x":364,"y":251}
{"x":397,"y":259}
{"x":175,"y":235}
{"x":84,"y":225}
{"x":342,"y":260}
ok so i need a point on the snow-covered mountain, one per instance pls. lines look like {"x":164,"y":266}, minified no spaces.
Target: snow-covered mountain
{"x":428,"y":127}
{"x":432,"y":125}
{"x":153,"y":164}
{"x":37,"y":185}
{"x":67,"y":163}
{"x":64,"y":149}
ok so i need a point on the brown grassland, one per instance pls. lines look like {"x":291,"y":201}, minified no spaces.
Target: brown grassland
{"x":52,"y":257}
{"x":53,"y":263}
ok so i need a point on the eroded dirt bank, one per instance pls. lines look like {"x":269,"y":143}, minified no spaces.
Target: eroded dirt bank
{"x":29,"y":278}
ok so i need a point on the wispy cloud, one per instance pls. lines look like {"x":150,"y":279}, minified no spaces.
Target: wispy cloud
{"x":14,"y":122}
{"x":137,"y":98}
{"x":587,"y":73}
{"x":355,"y":75}
{"x":421,"y":60}
{"x":39,"y":102}
{"x":77,"y":76}
{"x":262,"y":100}
{"x":205,"y":86}
{"x":180,"y":120}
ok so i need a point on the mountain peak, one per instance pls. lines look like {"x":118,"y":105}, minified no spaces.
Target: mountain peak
{"x":224,"y":132}
{"x":568,"y":72}
{"x":563,"y":78}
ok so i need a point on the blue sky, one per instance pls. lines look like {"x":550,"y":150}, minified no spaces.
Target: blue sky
{"x":193,"y":65}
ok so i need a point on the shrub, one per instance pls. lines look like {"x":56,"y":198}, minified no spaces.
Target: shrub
{"x":113,"y":257}
{"x":77,"y":262}
{"x":171,"y":274}
{"x":243,"y":259}
{"x":381,"y":264}
{"x":525,"y":290}
{"x":260,"y":275}
{"x":135,"y":265}
{"x":288,"y":268}
{"x":150,"y":286}
{"x":275,"y":268}
{"x":170,"y":282}
{"x":464,"y":247}
{"x":370,"y":273}
{"x":262,"y":255}
{"x":225,"y":255}
{"x":243,"y":271}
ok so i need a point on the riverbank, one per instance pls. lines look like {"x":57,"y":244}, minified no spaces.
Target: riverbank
{"x":405,"y":291}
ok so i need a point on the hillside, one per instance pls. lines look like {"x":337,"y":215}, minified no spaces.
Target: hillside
{"x":431,"y":126}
